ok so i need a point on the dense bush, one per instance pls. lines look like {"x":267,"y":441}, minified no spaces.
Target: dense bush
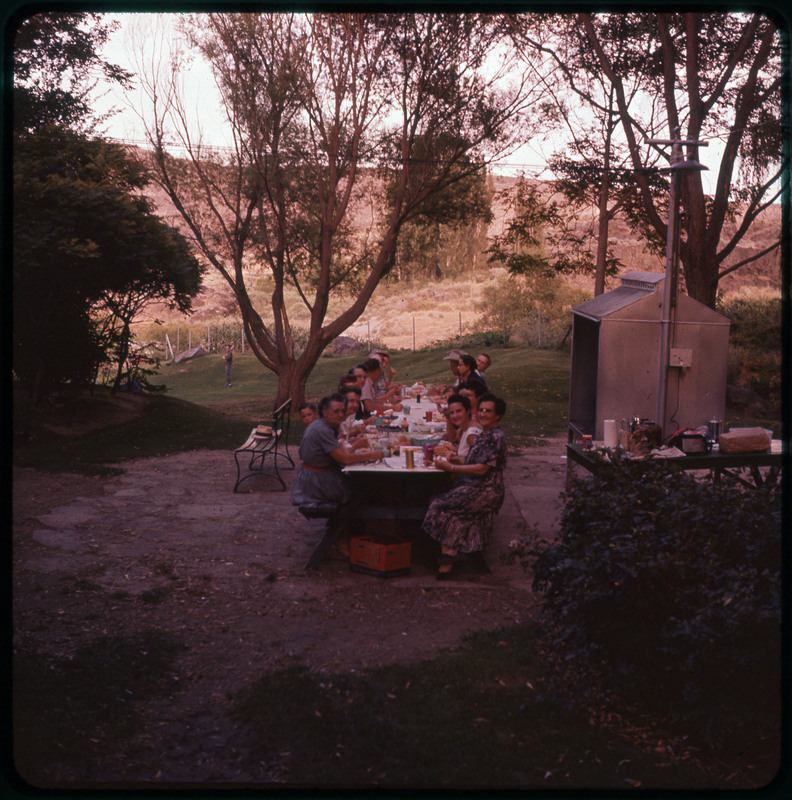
{"x":755,"y":343}
{"x":663,"y":594}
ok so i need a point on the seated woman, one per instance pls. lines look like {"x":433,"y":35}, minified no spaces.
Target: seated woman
{"x":461,"y":519}
{"x":320,"y":479}
{"x":461,"y":431}
{"x":350,"y":431}
{"x":472,"y":388}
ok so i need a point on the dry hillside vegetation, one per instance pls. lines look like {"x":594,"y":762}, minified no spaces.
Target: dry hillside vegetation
{"x":435,"y":306}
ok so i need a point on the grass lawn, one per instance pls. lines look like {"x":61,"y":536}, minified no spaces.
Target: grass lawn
{"x":534,"y":383}
{"x":198,"y":411}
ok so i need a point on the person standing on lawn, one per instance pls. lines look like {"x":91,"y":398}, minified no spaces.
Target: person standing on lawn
{"x":228,"y":358}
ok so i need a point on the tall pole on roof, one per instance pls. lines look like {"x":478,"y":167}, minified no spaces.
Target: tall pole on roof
{"x":670,"y":283}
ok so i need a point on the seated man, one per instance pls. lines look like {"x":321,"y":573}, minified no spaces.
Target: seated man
{"x":370,"y":401}
{"x":483,"y":362}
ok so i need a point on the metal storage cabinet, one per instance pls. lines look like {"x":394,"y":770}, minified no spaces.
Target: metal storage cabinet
{"x":615,"y":368}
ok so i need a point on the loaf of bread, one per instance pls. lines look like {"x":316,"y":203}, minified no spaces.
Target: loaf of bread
{"x":745,"y":440}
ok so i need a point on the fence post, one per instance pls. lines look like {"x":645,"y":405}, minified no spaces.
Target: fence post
{"x":178,"y":344}
{"x":503,"y":316}
{"x":413,"y":334}
{"x":368,"y":325}
{"x":538,"y":326}
{"x":460,"y":329}
{"x":209,"y":338}
{"x":189,"y":338}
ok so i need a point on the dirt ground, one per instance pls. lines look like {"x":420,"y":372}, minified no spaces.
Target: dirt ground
{"x":169,"y":547}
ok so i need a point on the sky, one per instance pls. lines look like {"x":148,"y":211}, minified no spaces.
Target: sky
{"x":124,"y":48}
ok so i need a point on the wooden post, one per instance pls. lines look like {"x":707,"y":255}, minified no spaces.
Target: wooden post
{"x":503,"y":316}
{"x":413,"y":334}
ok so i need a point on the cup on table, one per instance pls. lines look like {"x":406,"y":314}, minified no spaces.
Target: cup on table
{"x":429,"y":416}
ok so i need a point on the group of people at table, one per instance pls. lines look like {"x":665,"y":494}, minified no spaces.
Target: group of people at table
{"x":473,"y":447}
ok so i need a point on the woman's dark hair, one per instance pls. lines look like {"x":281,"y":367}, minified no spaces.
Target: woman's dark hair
{"x":351,"y":388}
{"x":476,"y":385}
{"x":498,"y":402}
{"x":312,"y":406}
{"x":461,"y":399}
{"x":345,"y":380}
{"x":469,"y":362}
{"x":330,"y":398}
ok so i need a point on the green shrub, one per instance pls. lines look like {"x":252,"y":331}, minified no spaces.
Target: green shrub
{"x":663,"y":594}
{"x":755,"y":343}
{"x":756,"y":320}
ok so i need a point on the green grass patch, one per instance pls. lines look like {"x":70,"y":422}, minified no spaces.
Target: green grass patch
{"x":167,"y":425}
{"x":534,"y":383}
{"x":477,"y":717}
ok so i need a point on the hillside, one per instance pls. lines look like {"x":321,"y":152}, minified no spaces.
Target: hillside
{"x":435,"y":306}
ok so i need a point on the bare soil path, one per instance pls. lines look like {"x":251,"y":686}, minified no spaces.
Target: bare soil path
{"x":168,"y":547}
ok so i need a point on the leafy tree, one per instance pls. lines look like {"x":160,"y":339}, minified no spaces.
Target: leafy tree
{"x":449,"y":235}
{"x":86,"y":245}
{"x":88,"y":253}
{"x":57,"y":64}
{"x":713,"y":75}
{"x":345,"y":126}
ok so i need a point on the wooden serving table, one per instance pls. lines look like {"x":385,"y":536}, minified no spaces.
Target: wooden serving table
{"x":718,"y":463}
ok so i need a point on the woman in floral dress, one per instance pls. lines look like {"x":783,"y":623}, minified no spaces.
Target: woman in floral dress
{"x":461,"y":519}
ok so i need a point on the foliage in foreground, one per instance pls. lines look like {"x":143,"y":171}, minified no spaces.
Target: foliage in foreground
{"x":663,"y":595}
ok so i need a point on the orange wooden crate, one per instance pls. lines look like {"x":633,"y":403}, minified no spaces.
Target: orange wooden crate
{"x":380,"y":555}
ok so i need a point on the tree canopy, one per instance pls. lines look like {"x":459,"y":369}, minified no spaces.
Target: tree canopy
{"x":715,"y":76}
{"x":346,"y":126}
{"x":88,"y":251}
{"x":57,"y":64}
{"x":86,"y":243}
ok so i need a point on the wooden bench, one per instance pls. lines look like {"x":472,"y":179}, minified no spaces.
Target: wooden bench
{"x":332,"y":513}
{"x":257,"y":447}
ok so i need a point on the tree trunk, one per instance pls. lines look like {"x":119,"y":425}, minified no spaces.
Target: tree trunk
{"x":602,"y":233}
{"x":701,"y":276}
{"x":292,"y":378}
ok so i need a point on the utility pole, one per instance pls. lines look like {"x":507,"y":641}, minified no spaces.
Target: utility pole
{"x":672,"y":251}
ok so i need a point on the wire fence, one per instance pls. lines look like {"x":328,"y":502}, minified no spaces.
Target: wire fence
{"x":537,"y":328}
